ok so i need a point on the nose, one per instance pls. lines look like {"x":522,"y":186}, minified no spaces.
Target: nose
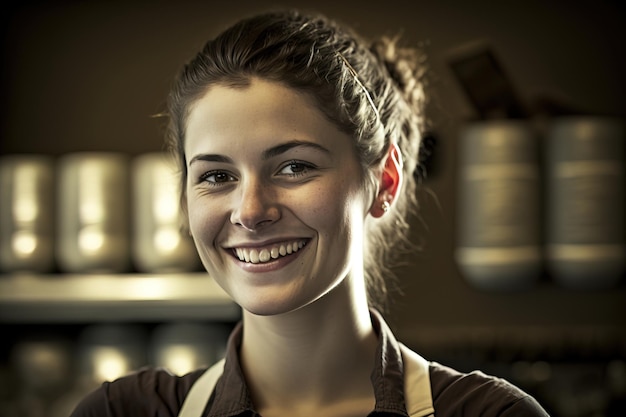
{"x":254,"y":207}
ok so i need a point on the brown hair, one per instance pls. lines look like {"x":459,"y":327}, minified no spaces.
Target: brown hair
{"x":364,"y":89}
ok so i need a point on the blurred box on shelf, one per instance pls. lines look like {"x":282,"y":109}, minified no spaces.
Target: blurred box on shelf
{"x":159,"y":240}
{"x":27,"y":199}
{"x":93,"y":212}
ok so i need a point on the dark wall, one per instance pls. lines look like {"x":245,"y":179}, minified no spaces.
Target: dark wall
{"x":88,"y":75}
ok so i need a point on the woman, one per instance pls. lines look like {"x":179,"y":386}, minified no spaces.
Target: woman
{"x":297,"y":144}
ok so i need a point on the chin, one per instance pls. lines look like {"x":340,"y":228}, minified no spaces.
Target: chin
{"x":268,"y":309}
{"x":273,"y":306}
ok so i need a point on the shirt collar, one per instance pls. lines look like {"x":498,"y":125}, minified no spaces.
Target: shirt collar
{"x":232,"y":396}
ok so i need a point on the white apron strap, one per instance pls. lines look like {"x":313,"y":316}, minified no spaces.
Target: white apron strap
{"x":417,"y":392}
{"x":200,"y":391}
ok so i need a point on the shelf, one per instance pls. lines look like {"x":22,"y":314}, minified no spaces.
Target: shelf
{"x":65,"y":298}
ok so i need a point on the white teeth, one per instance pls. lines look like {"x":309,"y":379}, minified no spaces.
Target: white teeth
{"x":265,"y":255}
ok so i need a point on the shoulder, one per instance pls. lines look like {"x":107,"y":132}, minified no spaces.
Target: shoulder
{"x":161,"y":393}
{"x":475,"y":393}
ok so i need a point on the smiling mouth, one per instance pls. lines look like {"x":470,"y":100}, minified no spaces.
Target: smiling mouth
{"x":267,"y":254}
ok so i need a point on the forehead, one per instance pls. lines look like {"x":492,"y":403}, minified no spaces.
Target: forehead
{"x":254,"y":115}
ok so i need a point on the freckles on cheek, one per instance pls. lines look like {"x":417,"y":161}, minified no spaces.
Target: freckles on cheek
{"x":332,"y":217}
{"x":320,"y":204}
{"x":201,"y":224}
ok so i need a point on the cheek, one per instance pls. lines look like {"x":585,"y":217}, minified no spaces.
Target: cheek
{"x":318,"y":205}
{"x":334,"y":210}
{"x":203,"y":222}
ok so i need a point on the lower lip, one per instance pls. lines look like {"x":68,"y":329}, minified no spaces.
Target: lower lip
{"x":272,"y":265}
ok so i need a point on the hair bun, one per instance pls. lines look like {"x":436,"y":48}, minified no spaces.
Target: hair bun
{"x":406,"y":66}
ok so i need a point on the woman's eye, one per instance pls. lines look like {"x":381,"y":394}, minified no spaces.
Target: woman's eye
{"x":295,"y":168}
{"x":217,"y":177}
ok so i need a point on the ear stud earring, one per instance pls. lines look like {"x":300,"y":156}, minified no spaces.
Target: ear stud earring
{"x":385,"y":206}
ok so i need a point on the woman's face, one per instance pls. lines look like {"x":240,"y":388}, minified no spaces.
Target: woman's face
{"x":275,"y":196}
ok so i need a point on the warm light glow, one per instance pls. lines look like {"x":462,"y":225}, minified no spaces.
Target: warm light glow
{"x":166,"y":239}
{"x":91,"y":194}
{"x":179,"y":359}
{"x":148,"y":289}
{"x":24,"y":243}
{"x":25,"y":209}
{"x":109,"y":364}
{"x":25,"y":194}
{"x":165,"y":204}
{"x":91,"y":239}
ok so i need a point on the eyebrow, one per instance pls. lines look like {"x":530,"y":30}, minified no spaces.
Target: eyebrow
{"x":267,"y":154}
{"x":284,"y":147}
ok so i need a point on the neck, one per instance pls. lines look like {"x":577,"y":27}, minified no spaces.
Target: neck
{"x":320,"y":354}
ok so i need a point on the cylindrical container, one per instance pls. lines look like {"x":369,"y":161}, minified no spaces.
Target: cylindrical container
{"x":102,"y":352}
{"x":93,"y":212}
{"x":159,"y":242}
{"x":27,"y":213}
{"x":109,"y":351}
{"x":498,"y":222}
{"x":42,"y":368}
{"x":183,"y":347}
{"x":585,"y":201}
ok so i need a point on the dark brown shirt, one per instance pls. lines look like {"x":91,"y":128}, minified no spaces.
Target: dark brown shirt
{"x":157,"y":393}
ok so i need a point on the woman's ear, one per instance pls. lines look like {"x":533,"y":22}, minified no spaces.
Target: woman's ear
{"x":390,"y":182}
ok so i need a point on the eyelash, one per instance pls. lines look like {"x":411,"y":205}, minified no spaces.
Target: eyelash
{"x":204,"y":177}
{"x":303,"y":166}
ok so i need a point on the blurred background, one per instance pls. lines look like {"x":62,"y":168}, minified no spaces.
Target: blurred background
{"x":520,"y":270}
